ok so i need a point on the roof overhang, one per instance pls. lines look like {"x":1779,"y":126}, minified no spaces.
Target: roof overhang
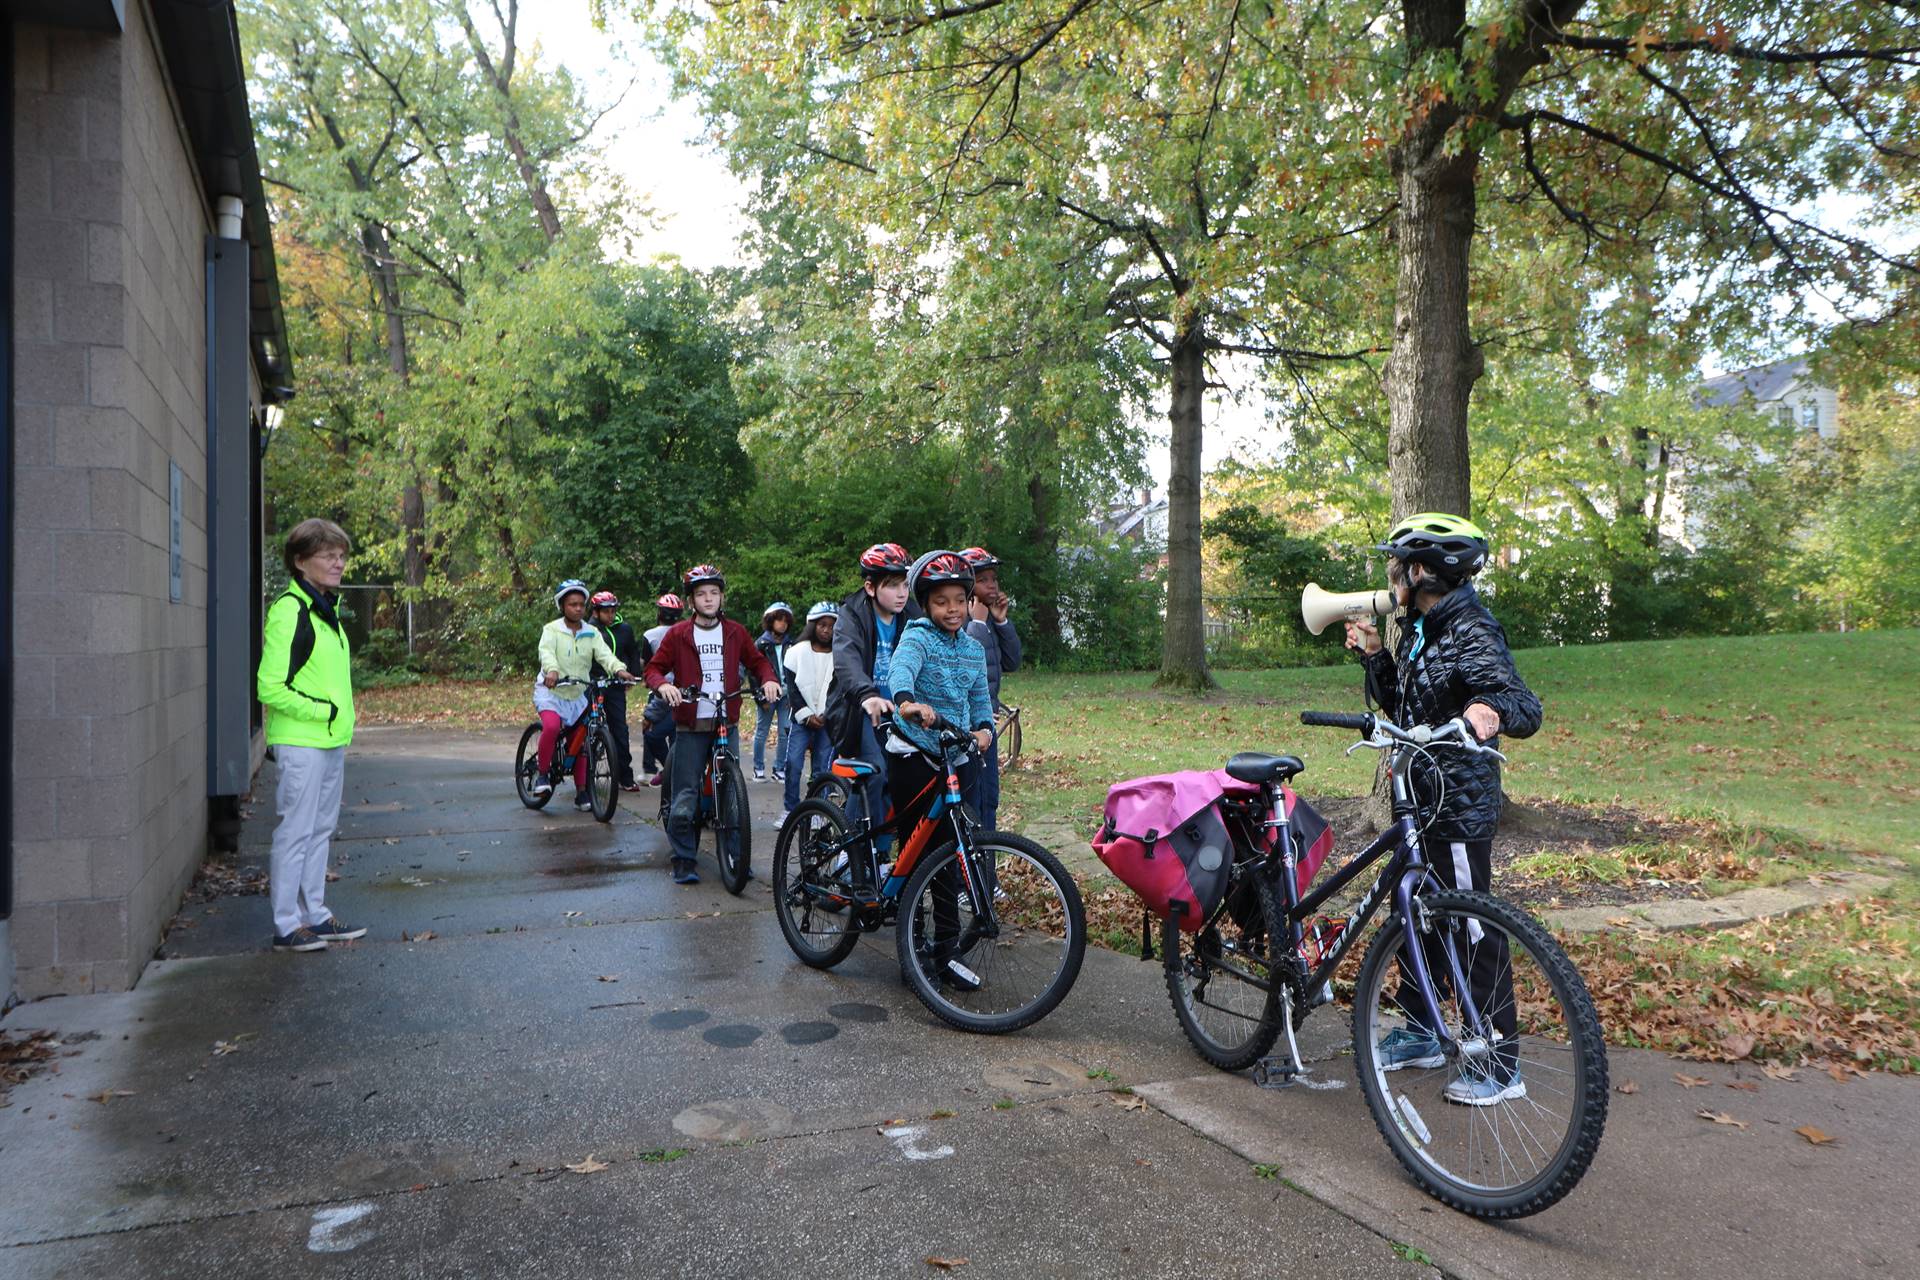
{"x":201,"y":41}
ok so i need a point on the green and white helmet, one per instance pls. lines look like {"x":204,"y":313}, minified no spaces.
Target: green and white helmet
{"x":1452,"y":546}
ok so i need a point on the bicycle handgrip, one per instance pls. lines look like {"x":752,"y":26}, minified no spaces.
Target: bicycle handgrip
{"x":1359,"y":721}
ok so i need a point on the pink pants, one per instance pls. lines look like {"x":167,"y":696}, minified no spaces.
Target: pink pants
{"x":551,"y":728}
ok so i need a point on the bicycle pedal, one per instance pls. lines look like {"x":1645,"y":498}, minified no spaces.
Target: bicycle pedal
{"x":1276,"y":1073}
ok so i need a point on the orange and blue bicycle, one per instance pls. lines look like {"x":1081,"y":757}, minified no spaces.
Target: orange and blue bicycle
{"x":988,"y":926}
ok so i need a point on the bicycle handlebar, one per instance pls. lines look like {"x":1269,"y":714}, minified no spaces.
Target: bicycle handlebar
{"x":598,"y":682}
{"x":1379,"y":733}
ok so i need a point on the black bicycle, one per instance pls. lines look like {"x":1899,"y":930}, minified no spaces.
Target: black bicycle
{"x":722,"y":801}
{"x":1477,"y":1045}
{"x":989,"y":927}
{"x":589,"y":735}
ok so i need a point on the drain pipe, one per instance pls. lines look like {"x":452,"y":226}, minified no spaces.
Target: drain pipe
{"x":6,"y":516}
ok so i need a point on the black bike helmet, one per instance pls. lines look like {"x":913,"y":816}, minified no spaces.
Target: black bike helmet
{"x":936,"y":569}
{"x":1453,"y":547}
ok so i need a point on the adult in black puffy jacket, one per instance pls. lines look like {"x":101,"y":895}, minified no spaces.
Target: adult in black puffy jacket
{"x":1452,"y":662}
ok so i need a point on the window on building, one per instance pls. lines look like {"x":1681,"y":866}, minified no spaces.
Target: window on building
{"x":1785,"y":413}
{"x":1810,"y":414}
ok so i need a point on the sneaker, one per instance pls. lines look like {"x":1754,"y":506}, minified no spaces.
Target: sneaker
{"x":684,"y":873}
{"x":540,"y":787}
{"x":759,"y":775}
{"x":333,"y":931}
{"x":655,"y":780}
{"x":951,"y":974}
{"x":779,"y":775}
{"x":299,"y":940}
{"x":781,"y":821}
{"x":1483,"y":1091}
{"x":629,"y":786}
{"x":1402,"y":1048}
{"x":582,"y":801}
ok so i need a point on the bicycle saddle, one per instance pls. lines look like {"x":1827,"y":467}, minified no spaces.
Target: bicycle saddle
{"x":1259,"y":767}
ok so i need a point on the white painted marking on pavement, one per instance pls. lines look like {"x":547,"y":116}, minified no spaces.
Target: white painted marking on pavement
{"x":903,"y":1138}
{"x":330,"y":1232}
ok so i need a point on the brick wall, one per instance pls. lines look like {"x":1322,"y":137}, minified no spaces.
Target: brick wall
{"x":110,"y":676}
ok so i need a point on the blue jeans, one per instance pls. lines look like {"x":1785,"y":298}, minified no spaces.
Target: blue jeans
{"x":686,"y":768}
{"x":764,"y":720}
{"x":797,"y":741}
{"x":985,"y":794}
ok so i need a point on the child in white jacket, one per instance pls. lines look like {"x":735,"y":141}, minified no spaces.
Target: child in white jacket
{"x":810,"y":672}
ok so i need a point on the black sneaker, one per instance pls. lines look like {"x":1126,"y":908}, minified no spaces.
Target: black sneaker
{"x":582,"y":801}
{"x":299,"y":940}
{"x":333,"y":931}
{"x":951,"y":973}
{"x":684,"y":873}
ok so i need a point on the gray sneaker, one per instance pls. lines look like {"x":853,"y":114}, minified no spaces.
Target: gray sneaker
{"x":299,"y":940}
{"x":1402,"y":1048}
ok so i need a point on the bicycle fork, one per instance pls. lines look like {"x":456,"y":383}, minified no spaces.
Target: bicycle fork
{"x":1479,"y":1039}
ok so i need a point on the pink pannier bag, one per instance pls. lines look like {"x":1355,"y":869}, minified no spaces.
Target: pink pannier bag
{"x":1165,"y":838}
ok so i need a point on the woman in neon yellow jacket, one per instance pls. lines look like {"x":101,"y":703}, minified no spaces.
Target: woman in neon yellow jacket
{"x":306,"y":683}
{"x":569,"y":646}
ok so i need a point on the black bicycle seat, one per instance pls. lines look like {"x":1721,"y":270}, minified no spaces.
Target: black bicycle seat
{"x":1259,"y":767}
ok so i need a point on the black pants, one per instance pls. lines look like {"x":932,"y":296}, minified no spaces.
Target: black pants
{"x":616,"y":705}
{"x":1467,"y":864}
{"x":915,"y":782}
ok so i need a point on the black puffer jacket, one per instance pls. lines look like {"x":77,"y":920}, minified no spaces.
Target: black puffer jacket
{"x":1463,"y":659}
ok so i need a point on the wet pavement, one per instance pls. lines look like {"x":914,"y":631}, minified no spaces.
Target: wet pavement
{"x":589,"y":1071}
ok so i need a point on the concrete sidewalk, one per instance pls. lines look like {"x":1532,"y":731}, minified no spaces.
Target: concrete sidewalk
{"x":396,"y":1108}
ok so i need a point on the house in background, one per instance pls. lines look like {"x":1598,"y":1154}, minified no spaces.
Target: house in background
{"x":1141,"y":519}
{"x":141,"y":339}
{"x":1782,"y":390}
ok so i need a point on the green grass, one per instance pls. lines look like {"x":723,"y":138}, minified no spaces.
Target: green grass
{"x":1814,"y":735}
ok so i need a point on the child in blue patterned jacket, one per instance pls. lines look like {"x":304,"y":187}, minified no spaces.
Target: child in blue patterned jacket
{"x":938,"y":672}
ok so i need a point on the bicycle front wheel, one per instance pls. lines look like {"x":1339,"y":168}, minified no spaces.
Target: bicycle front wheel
{"x":1221,"y":978}
{"x":813,"y":888}
{"x":1506,"y":1125}
{"x":526,"y":769}
{"x":603,"y":786}
{"x":971,"y":976}
{"x":732,"y":828}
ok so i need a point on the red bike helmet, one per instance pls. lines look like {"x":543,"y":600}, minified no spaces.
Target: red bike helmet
{"x":936,"y":569}
{"x":670,"y":601}
{"x":604,"y":600}
{"x":980,"y":558}
{"x":884,"y":559}
{"x":701,"y":574}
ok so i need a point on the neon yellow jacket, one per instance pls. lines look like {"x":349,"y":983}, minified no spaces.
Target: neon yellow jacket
{"x":573,"y":653}
{"x":306,"y":677}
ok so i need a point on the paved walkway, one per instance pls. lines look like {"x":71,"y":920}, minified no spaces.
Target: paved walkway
{"x":588,"y":1071}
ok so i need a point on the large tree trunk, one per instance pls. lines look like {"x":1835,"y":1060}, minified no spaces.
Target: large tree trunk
{"x":1183,"y":654}
{"x":500,"y":80}
{"x":1435,"y":361}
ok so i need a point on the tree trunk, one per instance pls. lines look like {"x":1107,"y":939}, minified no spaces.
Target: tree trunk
{"x":1045,"y":540}
{"x":1183,"y":655}
{"x":1435,"y":361}
{"x":500,"y":80}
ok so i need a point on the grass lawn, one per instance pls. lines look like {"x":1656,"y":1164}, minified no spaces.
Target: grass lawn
{"x":1789,"y":753}
{"x":1814,"y":734}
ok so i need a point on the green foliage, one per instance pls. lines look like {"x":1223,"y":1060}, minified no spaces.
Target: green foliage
{"x":1110,"y":609}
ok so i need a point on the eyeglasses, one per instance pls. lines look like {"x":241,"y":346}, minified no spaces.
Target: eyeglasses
{"x":329,"y":557}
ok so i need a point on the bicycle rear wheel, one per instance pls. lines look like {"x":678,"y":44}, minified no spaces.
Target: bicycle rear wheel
{"x":732,"y":827}
{"x":812,"y":884}
{"x":969,"y":977}
{"x":1008,"y":733}
{"x":526,"y":769}
{"x":1221,"y":978}
{"x":1509,"y":1126}
{"x":603,"y":764}
{"x":834,"y":790}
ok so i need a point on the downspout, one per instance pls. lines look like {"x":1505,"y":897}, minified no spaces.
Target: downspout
{"x":6,"y":514}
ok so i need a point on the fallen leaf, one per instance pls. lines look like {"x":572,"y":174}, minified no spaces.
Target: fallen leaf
{"x":1620,"y":922}
{"x":221,"y":1048}
{"x":1686,"y":1081}
{"x":1744,"y":1086}
{"x":945,"y":1264}
{"x":589,"y":1165}
{"x":1627,"y":1086}
{"x":332,"y":876}
{"x":391,"y":840}
{"x":609,"y":977}
{"x":1775,"y":1071}
{"x":1814,"y":1136}
{"x":1838,"y":1072}
{"x":1721,"y":1117}
{"x":108,"y":1095}
{"x":1131,"y":1102}
{"x":425,"y":935}
{"x":1737,"y":1047}
{"x":570,"y":915}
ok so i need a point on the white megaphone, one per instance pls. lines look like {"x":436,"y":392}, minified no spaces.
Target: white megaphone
{"x":1321,"y":609}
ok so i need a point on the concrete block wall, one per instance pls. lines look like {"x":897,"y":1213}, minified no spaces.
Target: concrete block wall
{"x":110,"y":357}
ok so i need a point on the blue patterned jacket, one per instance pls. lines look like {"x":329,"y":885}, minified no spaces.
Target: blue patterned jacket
{"x":947,"y":672}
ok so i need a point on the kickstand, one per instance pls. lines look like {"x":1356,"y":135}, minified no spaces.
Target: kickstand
{"x":1275,"y":1072}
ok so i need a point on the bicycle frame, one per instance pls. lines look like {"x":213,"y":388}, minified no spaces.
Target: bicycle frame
{"x":1403,"y":876}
